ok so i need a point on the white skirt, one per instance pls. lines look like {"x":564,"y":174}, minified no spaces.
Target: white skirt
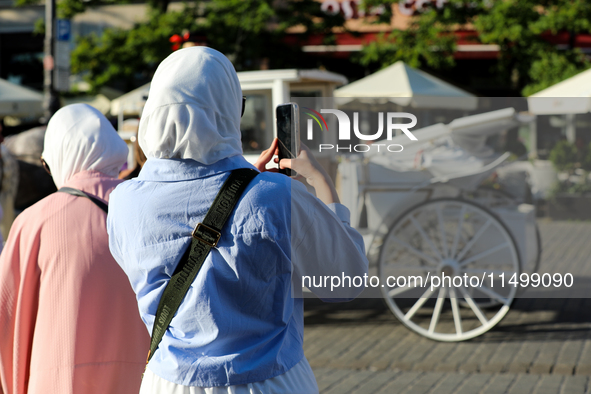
{"x":298,"y":380}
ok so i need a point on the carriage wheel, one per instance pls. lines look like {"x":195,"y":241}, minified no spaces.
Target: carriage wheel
{"x":491,"y":198}
{"x":459,"y":240}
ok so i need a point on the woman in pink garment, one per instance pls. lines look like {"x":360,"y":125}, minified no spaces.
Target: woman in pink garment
{"x":69,"y":321}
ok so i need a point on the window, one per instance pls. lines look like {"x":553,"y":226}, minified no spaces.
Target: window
{"x":255,"y":127}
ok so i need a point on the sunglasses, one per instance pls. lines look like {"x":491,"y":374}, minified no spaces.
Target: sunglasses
{"x":44,"y":165}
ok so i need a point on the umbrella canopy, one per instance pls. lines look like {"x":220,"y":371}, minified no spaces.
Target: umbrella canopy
{"x":404,"y":85}
{"x":571,"y":96}
{"x":16,"y":100}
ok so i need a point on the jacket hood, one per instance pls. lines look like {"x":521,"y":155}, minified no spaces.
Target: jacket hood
{"x":193,"y":108}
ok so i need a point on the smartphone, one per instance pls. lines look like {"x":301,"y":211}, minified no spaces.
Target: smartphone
{"x":287,"y":117}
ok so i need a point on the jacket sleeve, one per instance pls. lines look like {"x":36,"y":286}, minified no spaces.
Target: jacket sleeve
{"x":327,"y":253}
{"x":19,"y":294}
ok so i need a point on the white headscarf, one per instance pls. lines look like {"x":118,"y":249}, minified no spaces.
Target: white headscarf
{"x":193,"y":109}
{"x":79,"y":138}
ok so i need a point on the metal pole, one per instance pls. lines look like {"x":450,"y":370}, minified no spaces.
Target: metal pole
{"x":51,"y":100}
{"x":533,"y":138}
{"x":571,"y":130}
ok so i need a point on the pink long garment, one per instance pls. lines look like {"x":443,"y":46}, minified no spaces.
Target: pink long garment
{"x":69,"y":321}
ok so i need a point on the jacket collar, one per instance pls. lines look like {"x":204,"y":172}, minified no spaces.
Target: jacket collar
{"x":174,"y":170}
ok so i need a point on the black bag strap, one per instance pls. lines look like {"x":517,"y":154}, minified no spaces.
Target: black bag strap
{"x":80,"y":193}
{"x":205,"y":236}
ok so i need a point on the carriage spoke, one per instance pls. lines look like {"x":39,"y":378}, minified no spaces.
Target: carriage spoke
{"x":415,"y":251}
{"x":426,"y":237}
{"x":442,"y":232}
{"x":421,"y":240}
{"x":458,"y":232}
{"x":477,"y":311}
{"x":474,"y":239}
{"x":455,"y":311}
{"x":418,"y":304}
{"x":437,"y":310}
{"x":493,"y":294}
{"x":484,"y":254}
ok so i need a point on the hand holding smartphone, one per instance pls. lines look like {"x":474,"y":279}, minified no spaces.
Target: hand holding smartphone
{"x":287,"y":117}
{"x":288,"y":146}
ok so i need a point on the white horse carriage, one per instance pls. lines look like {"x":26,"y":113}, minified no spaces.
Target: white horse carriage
{"x":423,"y":214}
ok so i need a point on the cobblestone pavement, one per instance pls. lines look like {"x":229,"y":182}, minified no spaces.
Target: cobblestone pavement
{"x":541,"y":346}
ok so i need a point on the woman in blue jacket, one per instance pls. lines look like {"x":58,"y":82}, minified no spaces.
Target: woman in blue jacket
{"x":240,"y":326}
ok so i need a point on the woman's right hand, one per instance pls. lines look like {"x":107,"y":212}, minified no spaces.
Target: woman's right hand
{"x":266,"y":156}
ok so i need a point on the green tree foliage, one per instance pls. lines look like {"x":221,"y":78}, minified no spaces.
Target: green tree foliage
{"x":586,"y":159}
{"x":127,"y":56}
{"x":519,"y":27}
{"x":571,"y":159}
{"x":249,"y":32}
{"x":426,"y":41}
{"x":564,"y":156}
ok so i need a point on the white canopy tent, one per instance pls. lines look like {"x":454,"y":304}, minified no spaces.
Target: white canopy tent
{"x":16,"y":100}
{"x":571,"y":96}
{"x":405,"y":86}
{"x":100,"y":102}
